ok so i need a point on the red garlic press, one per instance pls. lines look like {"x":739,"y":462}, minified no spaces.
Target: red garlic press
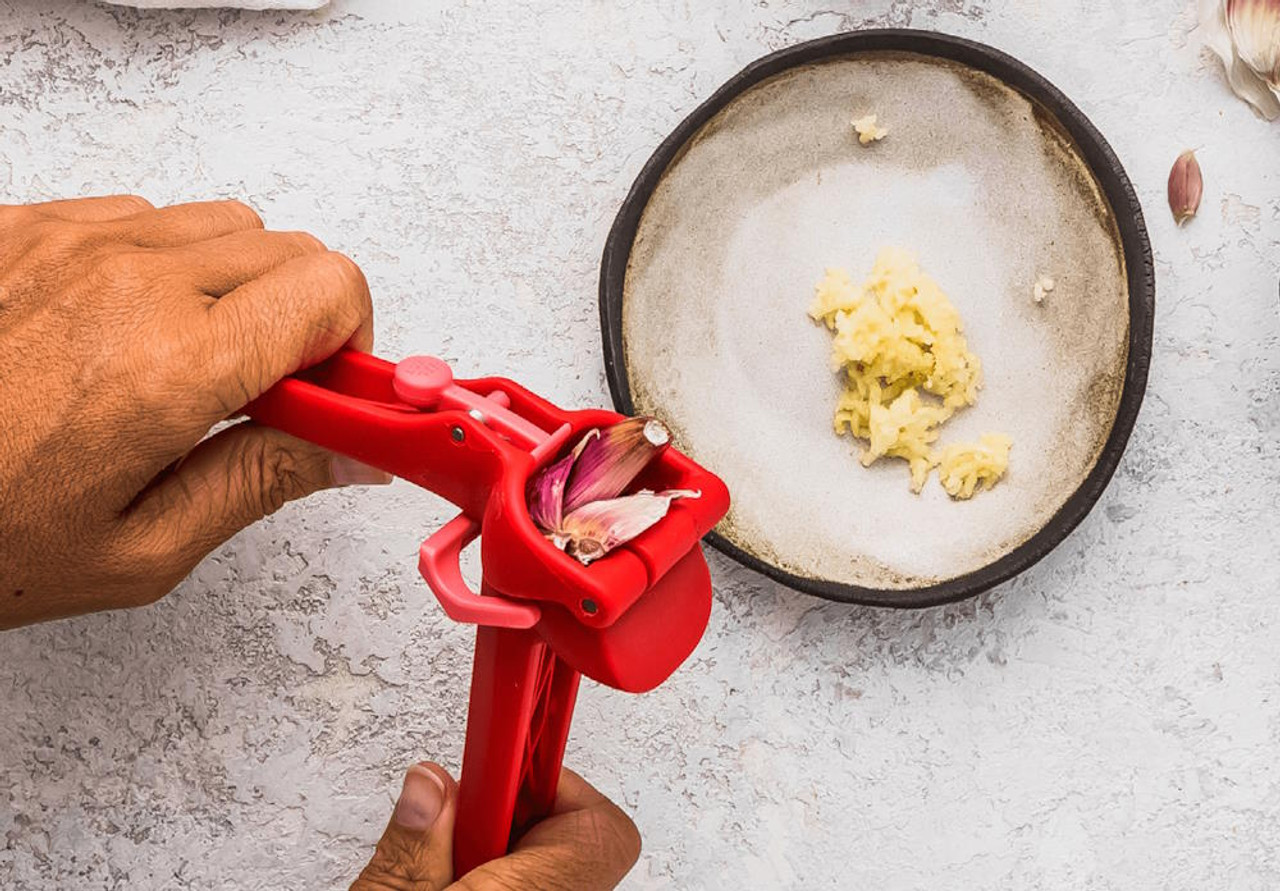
{"x":543,"y":619}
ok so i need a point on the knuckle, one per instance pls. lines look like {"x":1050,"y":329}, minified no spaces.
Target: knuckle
{"x":122,"y":269}
{"x":243,"y":214}
{"x":59,"y":239}
{"x":274,"y":472}
{"x":395,"y":866}
{"x":141,"y":568}
{"x":615,"y":836}
{"x":544,"y":871}
{"x":169,"y":368}
{"x":304,"y":242}
{"x":626,"y":839}
{"x":342,"y":269}
{"x":134,"y":203}
{"x":350,"y":302}
{"x":14,"y":215}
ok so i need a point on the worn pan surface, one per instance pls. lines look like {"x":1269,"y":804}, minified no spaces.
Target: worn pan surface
{"x":993,"y":179}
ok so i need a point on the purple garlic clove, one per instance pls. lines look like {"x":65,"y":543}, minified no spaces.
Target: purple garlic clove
{"x":545,"y":491}
{"x":610,"y":462}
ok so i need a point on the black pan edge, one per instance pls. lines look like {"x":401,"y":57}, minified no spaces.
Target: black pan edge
{"x":1135,"y":243}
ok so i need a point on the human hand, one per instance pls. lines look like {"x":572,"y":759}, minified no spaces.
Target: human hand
{"x":126,"y":333}
{"x":587,"y":843}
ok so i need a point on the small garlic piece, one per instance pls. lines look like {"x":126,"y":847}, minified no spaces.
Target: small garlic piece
{"x":1245,"y":34}
{"x":967,"y":468}
{"x":868,"y":130}
{"x":1186,"y":186}
{"x":1043,"y":286}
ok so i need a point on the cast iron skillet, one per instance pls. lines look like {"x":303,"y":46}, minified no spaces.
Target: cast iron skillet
{"x":1133,"y":238}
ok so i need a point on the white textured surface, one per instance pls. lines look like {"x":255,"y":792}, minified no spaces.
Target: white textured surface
{"x":1109,"y":720}
{"x":221,"y":4}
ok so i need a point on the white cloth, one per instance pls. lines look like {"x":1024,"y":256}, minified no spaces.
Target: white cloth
{"x":227,"y":4}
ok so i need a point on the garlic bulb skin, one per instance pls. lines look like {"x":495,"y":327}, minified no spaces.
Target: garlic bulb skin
{"x":1245,"y":35}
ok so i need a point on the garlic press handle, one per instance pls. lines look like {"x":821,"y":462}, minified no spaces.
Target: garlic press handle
{"x":522,"y":699}
{"x":439,"y":561}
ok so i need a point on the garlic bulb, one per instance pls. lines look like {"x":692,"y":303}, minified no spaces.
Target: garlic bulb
{"x":1245,"y":34}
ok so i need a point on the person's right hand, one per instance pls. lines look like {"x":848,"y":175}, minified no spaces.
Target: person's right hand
{"x":126,"y":333}
{"x":586,"y":844}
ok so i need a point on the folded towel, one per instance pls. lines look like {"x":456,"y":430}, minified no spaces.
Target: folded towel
{"x":226,"y":4}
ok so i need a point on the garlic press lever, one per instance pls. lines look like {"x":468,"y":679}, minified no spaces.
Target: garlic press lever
{"x":628,"y":620}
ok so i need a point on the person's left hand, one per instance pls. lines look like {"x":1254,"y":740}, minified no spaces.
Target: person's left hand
{"x":586,"y":844}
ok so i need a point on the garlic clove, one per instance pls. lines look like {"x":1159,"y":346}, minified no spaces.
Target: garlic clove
{"x":1186,"y":186}
{"x":609,"y":462}
{"x":595,"y":529}
{"x":1245,"y":35}
{"x":545,"y":491}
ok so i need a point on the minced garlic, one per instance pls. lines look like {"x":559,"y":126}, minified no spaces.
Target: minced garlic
{"x":964,"y":468}
{"x":1043,"y":286}
{"x":907,"y":368}
{"x":867,"y":129}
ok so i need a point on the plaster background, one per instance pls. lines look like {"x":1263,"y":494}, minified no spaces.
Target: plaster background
{"x":1110,"y":719}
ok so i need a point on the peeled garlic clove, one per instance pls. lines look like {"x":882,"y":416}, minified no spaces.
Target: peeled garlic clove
{"x":612,"y":460}
{"x":1245,"y":34}
{"x":1186,"y":186}
{"x":595,"y":529}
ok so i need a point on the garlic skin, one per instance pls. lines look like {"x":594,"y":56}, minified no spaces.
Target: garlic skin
{"x":1245,"y":35}
{"x":595,"y":529}
{"x":1186,"y":187}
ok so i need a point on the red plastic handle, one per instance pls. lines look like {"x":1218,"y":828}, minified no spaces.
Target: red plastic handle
{"x":522,"y":699}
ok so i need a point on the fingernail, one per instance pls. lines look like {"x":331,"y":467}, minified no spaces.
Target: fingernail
{"x":421,"y":800}
{"x":350,"y":472}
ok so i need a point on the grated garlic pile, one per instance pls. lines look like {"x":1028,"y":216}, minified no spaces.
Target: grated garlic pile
{"x":907,"y":368}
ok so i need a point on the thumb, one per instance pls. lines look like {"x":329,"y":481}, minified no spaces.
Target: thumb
{"x":416,"y":851}
{"x":230,"y":480}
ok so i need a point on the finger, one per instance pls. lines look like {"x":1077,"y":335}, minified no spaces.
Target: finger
{"x":573,"y":793}
{"x":415,"y":852}
{"x":220,"y":265}
{"x":587,"y":843}
{"x":290,"y":318}
{"x":96,"y":210}
{"x":184,"y":224}
{"x":229,"y":481}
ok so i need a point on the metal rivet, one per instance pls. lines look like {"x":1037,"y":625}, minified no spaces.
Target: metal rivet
{"x":458,"y":434}
{"x":476,"y":415}
{"x":589,"y":607}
